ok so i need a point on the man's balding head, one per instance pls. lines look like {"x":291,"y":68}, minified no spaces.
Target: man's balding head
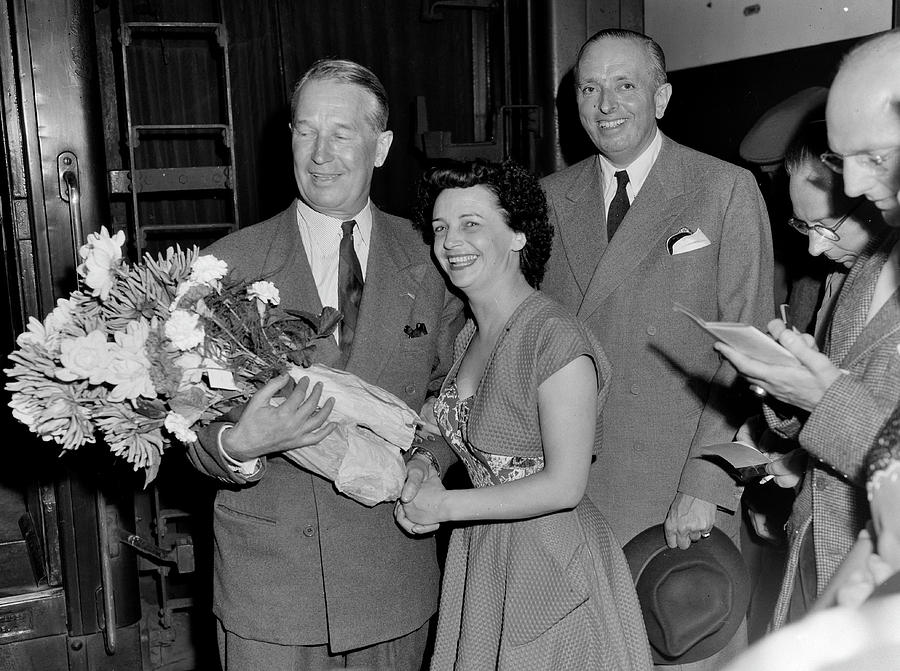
{"x":863,"y":116}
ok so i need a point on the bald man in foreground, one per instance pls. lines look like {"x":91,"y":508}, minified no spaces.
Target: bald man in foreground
{"x":863,"y":117}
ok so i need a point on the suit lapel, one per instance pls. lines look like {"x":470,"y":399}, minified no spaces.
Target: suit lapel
{"x":886,"y":321}
{"x":850,"y":313}
{"x":883,"y":325}
{"x":287,"y":264}
{"x":391,"y":286}
{"x":643,"y":231}
{"x":583,"y":223}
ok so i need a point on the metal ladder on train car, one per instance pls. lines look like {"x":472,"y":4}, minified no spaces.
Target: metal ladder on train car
{"x":141,"y":181}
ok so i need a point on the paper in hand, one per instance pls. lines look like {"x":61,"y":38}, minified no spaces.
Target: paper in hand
{"x":744,"y":460}
{"x":746,"y":339}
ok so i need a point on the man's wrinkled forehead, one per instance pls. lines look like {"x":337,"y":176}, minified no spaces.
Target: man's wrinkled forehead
{"x":618,"y":50}
{"x":863,"y":110}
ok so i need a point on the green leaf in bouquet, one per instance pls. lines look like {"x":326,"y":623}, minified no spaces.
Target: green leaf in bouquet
{"x":192,"y":402}
{"x":328,"y":321}
{"x":164,"y":372}
{"x":150,"y":408}
{"x":307,"y":317}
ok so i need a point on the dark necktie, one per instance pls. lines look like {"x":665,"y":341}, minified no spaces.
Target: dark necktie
{"x":619,"y":205}
{"x":350,"y":286}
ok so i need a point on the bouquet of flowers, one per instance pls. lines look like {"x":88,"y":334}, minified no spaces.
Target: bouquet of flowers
{"x":156,"y":349}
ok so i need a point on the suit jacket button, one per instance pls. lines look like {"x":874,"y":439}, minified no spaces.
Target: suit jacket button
{"x":410,"y":389}
{"x":308,"y":532}
{"x":651,"y":330}
{"x":634,"y":389}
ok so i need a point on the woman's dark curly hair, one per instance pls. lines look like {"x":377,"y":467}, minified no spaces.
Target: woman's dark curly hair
{"x":521,"y":200}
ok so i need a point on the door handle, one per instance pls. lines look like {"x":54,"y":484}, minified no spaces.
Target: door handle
{"x":106,"y":577}
{"x":70,"y":192}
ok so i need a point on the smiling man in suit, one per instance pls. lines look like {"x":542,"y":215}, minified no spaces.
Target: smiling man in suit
{"x":644,"y":224}
{"x":304,"y":577}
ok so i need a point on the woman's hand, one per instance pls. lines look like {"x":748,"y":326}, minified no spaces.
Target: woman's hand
{"x":429,"y":421}
{"x":426,"y":509}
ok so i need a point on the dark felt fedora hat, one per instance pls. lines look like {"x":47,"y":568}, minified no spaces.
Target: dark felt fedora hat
{"x":693,"y":600}
{"x":766,"y":142}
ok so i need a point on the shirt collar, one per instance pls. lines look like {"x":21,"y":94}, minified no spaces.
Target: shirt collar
{"x":637,"y":170}
{"x":315,"y":219}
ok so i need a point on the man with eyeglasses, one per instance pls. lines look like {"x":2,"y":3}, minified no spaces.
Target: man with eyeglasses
{"x":864,"y":123}
{"x":833,"y":402}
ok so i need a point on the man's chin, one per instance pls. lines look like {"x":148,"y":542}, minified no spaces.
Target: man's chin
{"x":892,"y":216}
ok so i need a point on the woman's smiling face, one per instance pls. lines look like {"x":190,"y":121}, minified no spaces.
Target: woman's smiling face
{"x":472,"y":241}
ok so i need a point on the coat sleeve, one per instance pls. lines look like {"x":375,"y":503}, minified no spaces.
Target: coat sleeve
{"x":844,"y":425}
{"x":205,"y":455}
{"x":744,"y":281}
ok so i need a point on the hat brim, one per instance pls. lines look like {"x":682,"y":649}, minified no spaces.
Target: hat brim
{"x":767,"y":141}
{"x":641,"y":550}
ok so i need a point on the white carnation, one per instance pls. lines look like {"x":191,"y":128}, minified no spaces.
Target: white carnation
{"x":264,"y":291}
{"x":179,"y":427}
{"x":208,"y":269}
{"x":184,"y":330}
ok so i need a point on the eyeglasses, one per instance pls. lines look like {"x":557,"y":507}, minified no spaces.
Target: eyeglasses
{"x":872,"y":163}
{"x":827,"y":232}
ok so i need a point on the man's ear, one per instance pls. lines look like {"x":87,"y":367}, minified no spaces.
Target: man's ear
{"x":661,"y":99}
{"x":382,"y":147}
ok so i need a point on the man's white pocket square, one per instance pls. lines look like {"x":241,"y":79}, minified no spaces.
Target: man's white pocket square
{"x":681,"y":243}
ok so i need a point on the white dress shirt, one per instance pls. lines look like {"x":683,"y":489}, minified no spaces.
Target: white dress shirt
{"x":637,"y":171}
{"x":321,"y":237}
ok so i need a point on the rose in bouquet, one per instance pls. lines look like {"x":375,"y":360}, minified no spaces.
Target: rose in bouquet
{"x":156,"y":349}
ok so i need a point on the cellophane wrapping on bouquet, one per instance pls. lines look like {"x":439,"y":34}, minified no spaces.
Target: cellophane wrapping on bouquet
{"x":364,"y":455}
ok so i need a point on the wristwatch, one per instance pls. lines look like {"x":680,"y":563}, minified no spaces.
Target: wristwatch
{"x":425,"y":452}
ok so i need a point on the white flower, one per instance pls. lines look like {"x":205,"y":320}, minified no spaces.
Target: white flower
{"x":85,"y":357}
{"x":264,"y":291}
{"x":35,"y":334}
{"x":62,"y":315}
{"x":208,"y":269}
{"x":184,"y":330}
{"x":179,"y":427}
{"x":129,"y":368}
{"x":102,"y":256}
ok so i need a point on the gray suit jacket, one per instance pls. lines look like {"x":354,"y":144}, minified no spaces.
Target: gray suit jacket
{"x":296,"y":562}
{"x":671,"y":393}
{"x":838,"y":433}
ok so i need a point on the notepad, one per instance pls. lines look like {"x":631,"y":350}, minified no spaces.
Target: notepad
{"x":746,"y":339}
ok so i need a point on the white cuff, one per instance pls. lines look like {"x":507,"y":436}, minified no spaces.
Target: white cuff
{"x":245,"y":468}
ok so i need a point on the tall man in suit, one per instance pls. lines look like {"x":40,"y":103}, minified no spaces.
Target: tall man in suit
{"x":642,"y":225}
{"x":305,"y":577}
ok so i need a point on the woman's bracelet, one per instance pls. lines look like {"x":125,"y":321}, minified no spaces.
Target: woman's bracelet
{"x":425,"y":452}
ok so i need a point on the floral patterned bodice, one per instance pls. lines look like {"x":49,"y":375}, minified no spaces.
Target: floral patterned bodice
{"x":484,"y":469}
